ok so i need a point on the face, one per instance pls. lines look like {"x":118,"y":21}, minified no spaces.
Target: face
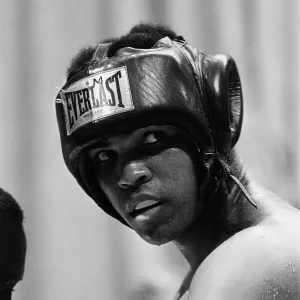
{"x":149,"y":177}
{"x":12,"y":253}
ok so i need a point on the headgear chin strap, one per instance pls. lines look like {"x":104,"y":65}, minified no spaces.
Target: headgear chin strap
{"x":169,"y":84}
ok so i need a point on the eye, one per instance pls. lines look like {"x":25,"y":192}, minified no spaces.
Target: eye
{"x":102,"y":156}
{"x":152,"y":137}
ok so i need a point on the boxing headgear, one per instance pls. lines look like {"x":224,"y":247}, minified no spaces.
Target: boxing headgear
{"x":169,"y":84}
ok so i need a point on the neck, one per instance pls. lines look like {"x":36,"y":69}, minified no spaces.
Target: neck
{"x":200,"y":239}
{"x":240,"y":211}
{"x":224,"y":214}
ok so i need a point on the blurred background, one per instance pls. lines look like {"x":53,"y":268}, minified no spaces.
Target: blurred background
{"x":75,"y":251}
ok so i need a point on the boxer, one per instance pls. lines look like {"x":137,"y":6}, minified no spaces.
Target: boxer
{"x":148,"y":128}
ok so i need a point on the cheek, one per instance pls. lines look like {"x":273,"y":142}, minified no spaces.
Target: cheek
{"x":178,"y":171}
{"x":178,"y":183}
{"x":109,"y":185}
{"x":175,"y":179}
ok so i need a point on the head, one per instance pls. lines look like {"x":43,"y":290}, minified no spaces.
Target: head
{"x":149,"y":176}
{"x":146,"y":124}
{"x":12,"y":244}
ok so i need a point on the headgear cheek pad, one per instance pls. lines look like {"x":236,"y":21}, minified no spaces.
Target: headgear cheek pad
{"x":169,"y":84}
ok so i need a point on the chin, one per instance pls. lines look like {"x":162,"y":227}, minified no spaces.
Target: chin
{"x":156,"y":241}
{"x":160,"y":236}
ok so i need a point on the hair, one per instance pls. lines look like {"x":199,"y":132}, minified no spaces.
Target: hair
{"x":142,"y":36}
{"x":9,"y":204}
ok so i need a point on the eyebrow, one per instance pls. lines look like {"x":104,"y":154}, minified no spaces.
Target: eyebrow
{"x":103,"y":142}
{"x":97,"y":141}
{"x":100,"y":142}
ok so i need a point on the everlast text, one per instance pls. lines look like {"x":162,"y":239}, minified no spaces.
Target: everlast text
{"x":98,"y":96}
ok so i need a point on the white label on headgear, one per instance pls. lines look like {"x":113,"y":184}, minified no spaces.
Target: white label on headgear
{"x":96,"y":97}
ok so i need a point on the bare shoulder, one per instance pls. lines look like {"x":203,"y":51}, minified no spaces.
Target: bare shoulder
{"x":261,"y":262}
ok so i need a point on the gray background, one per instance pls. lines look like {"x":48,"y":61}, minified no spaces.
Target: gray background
{"x":75,"y":251}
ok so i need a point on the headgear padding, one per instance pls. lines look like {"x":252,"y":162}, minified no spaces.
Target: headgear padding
{"x":169,"y":84}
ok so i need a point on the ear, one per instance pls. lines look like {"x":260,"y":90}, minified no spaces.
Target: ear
{"x":224,"y":98}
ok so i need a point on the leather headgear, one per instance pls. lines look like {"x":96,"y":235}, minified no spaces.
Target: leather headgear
{"x":170,"y":84}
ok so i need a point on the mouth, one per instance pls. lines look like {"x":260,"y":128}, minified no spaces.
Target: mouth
{"x":144,"y":207}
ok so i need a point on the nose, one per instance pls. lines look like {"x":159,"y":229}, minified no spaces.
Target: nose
{"x":134,"y":174}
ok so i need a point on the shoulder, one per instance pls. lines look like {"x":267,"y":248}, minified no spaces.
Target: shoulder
{"x":261,"y":262}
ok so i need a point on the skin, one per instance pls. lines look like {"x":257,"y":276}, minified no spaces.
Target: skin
{"x":12,"y":253}
{"x":261,"y":246}
{"x":151,"y":161}
{"x":262,"y":253}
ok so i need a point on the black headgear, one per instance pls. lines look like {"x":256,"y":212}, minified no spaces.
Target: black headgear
{"x":170,"y":84}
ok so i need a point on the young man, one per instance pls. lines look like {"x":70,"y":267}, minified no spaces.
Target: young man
{"x":12,"y":245}
{"x":148,"y":127}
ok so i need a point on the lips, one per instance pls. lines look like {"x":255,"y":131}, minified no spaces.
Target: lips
{"x":142,"y":203}
{"x":145,"y":204}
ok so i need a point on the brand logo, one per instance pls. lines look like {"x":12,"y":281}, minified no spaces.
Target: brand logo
{"x":96,"y":97}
